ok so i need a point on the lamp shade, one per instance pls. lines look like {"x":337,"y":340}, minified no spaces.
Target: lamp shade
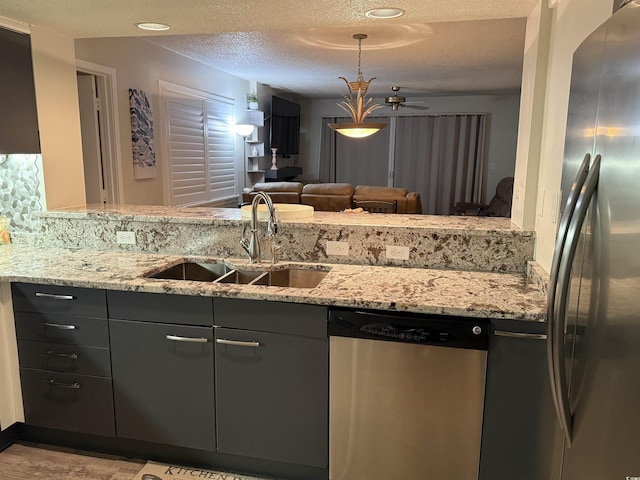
{"x":357,"y":130}
{"x":244,"y":129}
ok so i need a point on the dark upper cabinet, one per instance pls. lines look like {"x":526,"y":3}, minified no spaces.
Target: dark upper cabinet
{"x":18,"y":118}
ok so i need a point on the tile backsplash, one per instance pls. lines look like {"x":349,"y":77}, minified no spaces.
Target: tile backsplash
{"x":21,"y":191}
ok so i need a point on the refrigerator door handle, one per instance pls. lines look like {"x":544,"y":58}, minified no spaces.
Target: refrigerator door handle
{"x":567,"y":214}
{"x":560,"y":308}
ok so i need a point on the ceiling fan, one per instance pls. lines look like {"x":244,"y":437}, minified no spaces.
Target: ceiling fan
{"x":396,"y":101}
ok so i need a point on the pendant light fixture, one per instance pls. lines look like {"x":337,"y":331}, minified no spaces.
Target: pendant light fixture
{"x":357,"y":105}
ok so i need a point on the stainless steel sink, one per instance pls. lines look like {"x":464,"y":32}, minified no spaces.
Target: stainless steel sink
{"x":195,"y":271}
{"x":220,"y":272}
{"x":292,"y":277}
{"x":240,"y":276}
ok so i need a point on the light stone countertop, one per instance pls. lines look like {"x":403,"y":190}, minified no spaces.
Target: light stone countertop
{"x":442,"y":224}
{"x":452,"y":292}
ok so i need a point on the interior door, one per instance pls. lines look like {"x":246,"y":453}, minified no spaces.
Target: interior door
{"x":91,"y":148}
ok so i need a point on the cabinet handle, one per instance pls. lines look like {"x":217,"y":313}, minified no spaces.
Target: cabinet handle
{"x":72,"y":356}
{"x":54,"y":296}
{"x":177,"y":338}
{"x":59,"y":326}
{"x":531,"y":336}
{"x":53,"y":383}
{"x":237,"y":343}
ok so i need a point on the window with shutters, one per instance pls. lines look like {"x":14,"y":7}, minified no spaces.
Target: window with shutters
{"x":200,"y":144}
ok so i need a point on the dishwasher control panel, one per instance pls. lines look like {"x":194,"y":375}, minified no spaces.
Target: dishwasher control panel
{"x":441,"y":330}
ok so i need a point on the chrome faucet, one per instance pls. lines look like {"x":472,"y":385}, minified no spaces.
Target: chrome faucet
{"x":252,"y":246}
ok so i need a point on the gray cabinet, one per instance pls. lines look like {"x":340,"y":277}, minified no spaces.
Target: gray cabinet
{"x":519,"y":422}
{"x":19,"y":119}
{"x":163,"y":372}
{"x":272,"y":381}
{"x":65,"y":371}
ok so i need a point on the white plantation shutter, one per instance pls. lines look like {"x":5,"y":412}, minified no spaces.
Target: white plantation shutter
{"x":201,"y":147}
{"x":221,"y":150}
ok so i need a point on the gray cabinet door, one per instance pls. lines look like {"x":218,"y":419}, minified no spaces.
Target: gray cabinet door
{"x":519,"y":422}
{"x":272,"y":396}
{"x":163,"y":383}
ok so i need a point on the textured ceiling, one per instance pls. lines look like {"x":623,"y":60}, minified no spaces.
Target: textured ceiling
{"x":438,"y":47}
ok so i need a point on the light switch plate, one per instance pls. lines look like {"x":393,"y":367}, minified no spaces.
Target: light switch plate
{"x":337,"y":248}
{"x":397,"y":252}
{"x":125,"y":238}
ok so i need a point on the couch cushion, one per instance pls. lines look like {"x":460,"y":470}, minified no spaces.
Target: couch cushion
{"x":278,"y":187}
{"x":375,"y":191}
{"x":327,"y":189}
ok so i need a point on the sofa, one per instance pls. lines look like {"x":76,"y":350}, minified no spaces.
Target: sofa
{"x":334,"y":197}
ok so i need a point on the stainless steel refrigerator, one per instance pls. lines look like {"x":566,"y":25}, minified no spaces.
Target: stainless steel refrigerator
{"x":594,"y":298}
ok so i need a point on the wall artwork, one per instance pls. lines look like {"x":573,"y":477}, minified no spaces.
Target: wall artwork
{"x":144,"y":154}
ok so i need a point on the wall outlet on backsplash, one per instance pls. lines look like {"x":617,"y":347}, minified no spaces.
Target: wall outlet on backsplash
{"x":397,"y":252}
{"x":337,"y":248}
{"x":125,"y":238}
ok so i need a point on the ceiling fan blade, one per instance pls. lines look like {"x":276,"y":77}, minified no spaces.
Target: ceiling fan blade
{"x":416,"y":107}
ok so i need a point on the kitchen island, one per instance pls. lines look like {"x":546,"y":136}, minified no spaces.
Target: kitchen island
{"x":458,"y":266}
{"x":476,"y":267}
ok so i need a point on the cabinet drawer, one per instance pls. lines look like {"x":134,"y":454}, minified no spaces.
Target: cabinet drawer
{"x":82,"y":302}
{"x":65,"y":358}
{"x":91,"y":332}
{"x":79,"y":403}
{"x":275,"y":317}
{"x":160,"y":308}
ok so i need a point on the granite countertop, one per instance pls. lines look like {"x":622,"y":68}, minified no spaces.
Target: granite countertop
{"x":441,"y":224}
{"x":453,"y":292}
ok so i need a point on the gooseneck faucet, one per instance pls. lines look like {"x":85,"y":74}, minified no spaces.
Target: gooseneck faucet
{"x":252,"y":246}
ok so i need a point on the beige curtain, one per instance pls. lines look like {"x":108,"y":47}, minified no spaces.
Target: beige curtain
{"x":359,"y":161}
{"x":439,"y":156}
{"x":442,"y":157}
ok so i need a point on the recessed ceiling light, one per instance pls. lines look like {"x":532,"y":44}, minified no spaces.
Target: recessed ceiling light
{"x":387,"y":12}
{"x":153,"y":26}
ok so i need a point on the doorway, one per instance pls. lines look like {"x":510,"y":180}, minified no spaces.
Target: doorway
{"x":99,"y":128}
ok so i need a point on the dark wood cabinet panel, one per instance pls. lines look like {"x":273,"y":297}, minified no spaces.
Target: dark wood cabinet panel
{"x":79,"y":403}
{"x":19,"y":118}
{"x":163,"y":383}
{"x":158,"y":307}
{"x":519,"y":419}
{"x":272,"y":386}
{"x":56,"y":299}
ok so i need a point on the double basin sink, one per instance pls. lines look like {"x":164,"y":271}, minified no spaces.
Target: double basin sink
{"x":221,"y":272}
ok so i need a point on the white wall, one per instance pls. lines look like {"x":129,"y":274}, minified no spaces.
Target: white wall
{"x":571,"y":22}
{"x":140,"y":64}
{"x":501,"y":133}
{"x":11,"y":410}
{"x":54,"y":73}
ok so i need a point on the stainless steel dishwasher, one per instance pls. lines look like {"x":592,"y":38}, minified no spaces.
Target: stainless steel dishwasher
{"x":406,"y":395}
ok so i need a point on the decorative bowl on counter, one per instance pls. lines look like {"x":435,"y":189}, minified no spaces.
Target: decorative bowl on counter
{"x":286,"y":211}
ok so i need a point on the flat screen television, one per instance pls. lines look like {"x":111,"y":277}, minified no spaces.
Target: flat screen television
{"x":285,"y":126}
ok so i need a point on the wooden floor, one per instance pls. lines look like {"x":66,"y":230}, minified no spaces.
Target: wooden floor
{"x":29,"y":461}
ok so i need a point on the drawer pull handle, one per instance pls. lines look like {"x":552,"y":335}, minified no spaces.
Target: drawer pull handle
{"x":531,"y":336}
{"x":237,"y":343}
{"x":72,"y":356}
{"x":177,"y":338}
{"x":59,"y":326}
{"x":53,"y":383}
{"x":53,"y":296}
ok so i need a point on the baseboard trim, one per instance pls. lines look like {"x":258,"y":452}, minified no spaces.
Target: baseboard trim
{"x":9,"y":436}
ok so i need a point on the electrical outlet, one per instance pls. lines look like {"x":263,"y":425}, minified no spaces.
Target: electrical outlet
{"x":397,"y":252}
{"x":337,"y":248}
{"x":125,"y":238}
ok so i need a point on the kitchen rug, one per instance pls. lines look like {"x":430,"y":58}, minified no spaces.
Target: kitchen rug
{"x":161,"y":471}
